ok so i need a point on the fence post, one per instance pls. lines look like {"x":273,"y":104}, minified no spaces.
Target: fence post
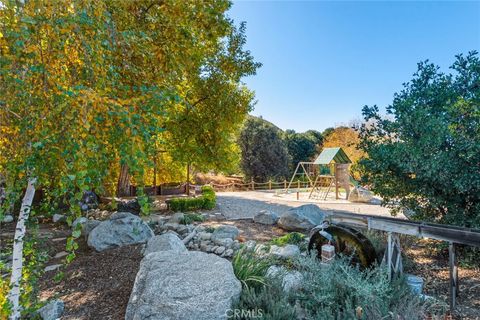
{"x":253,"y":184}
{"x":270,"y":184}
{"x":285,"y":184}
{"x":298,"y":184}
{"x":453,"y":264}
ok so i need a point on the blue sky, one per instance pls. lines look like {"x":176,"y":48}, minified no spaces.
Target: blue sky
{"x":324,"y":60}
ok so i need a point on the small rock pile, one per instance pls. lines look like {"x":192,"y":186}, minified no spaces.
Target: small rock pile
{"x":221,"y":241}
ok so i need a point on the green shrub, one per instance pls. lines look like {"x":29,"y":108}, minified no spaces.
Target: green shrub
{"x":249,"y":268}
{"x":206,"y":201}
{"x":267,"y":302}
{"x":337,"y":290}
{"x":210,"y":200}
{"x":290,"y":238}
{"x":188,"y":218}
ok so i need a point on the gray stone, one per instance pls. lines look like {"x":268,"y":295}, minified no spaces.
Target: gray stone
{"x":181,"y":286}
{"x":236,"y":245}
{"x":287,"y":252}
{"x":58,"y":218}
{"x":171,"y":226}
{"x":228,"y":253}
{"x":123,"y":228}
{"x":226,"y":242}
{"x":220,"y":250}
{"x":359,"y":194}
{"x":266,"y":217}
{"x":164,"y":242}
{"x":7,"y":218}
{"x":79,"y":221}
{"x":225,"y":231}
{"x":182,"y":229}
{"x":205,"y":235}
{"x":291,"y":280}
{"x":52,"y":267}
{"x":61,"y":254}
{"x":89,"y":226}
{"x":177,"y":217}
{"x":52,"y":310}
{"x":250,"y":245}
{"x":302,"y":218}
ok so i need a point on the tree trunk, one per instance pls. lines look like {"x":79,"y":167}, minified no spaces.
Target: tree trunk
{"x":187,"y":187}
{"x":17,"y":264}
{"x":123,"y":187}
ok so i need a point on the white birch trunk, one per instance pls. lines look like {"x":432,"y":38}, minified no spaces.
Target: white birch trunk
{"x":17,"y":265}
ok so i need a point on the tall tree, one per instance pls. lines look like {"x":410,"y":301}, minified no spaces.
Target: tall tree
{"x":346,"y":138}
{"x":426,"y":153}
{"x":302,"y":146}
{"x":264,"y":154}
{"x":88,"y":88}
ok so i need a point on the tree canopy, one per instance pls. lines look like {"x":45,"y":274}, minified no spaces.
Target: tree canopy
{"x":94,"y":84}
{"x":302,"y":146}
{"x":264,"y":154}
{"x":426,"y":153}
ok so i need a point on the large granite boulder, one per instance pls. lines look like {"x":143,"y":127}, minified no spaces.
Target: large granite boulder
{"x":165,"y":242}
{"x":122,"y":228}
{"x":266,"y":217}
{"x":359,"y":194}
{"x":88,"y":226}
{"x":183,"y":286}
{"x":301,"y":218}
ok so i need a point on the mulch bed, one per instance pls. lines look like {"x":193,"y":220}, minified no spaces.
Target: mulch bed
{"x":96,"y":285}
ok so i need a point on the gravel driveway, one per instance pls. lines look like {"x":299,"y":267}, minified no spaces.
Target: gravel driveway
{"x":244,"y":204}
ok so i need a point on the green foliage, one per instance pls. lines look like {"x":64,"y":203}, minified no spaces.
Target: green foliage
{"x":210,"y":200}
{"x":189,"y":218}
{"x":302,"y":146}
{"x":92,"y":86}
{"x":425,"y":154}
{"x":249,"y":268}
{"x":296,"y":238}
{"x":264,"y":154}
{"x":269,"y":302}
{"x":337,"y":290}
{"x":206,"y":201}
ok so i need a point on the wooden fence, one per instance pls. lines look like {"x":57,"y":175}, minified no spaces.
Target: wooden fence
{"x":252,"y":185}
{"x":167,"y":189}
